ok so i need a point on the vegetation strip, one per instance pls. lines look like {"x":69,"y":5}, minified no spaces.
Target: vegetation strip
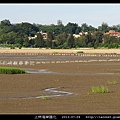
{"x":8,"y":70}
{"x":71,"y":35}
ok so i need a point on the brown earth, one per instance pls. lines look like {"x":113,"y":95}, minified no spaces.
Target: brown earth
{"x":77,"y":78}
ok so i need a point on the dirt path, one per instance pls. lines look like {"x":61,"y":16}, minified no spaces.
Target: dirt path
{"x":59,"y":50}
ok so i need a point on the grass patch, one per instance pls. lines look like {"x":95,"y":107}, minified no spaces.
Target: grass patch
{"x":8,"y":70}
{"x":112,"y":82}
{"x":54,"y":53}
{"x":44,"y":97}
{"x":100,"y":89}
{"x":91,"y":53}
{"x":89,"y":93}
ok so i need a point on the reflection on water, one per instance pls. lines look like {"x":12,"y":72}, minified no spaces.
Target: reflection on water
{"x":52,"y":92}
{"x":38,"y":71}
{"x":43,"y":71}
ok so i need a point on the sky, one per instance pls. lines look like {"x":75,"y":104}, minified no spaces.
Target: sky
{"x":46,"y":14}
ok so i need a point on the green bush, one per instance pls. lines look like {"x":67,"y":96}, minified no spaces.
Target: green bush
{"x":7,"y":70}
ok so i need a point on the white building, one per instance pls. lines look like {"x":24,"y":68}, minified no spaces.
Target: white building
{"x":43,"y":34}
{"x":80,"y":33}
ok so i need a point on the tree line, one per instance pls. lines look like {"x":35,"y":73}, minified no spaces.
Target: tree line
{"x":58,"y":36}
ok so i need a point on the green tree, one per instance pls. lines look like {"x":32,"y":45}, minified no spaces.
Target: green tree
{"x":5,"y":22}
{"x":32,"y":43}
{"x":3,"y":39}
{"x":70,"y":41}
{"x":50,"y":37}
{"x":96,"y":43}
{"x":78,"y":30}
{"x":83,"y":41}
{"x":11,"y":37}
{"x":84,"y":27}
{"x":59,"y":22}
{"x":19,"y":40}
{"x":71,"y":28}
{"x":97,"y":38}
{"x":61,"y":38}
{"x":92,"y":29}
{"x":104,"y":27}
{"x":39,"y":41}
{"x":26,"y":41}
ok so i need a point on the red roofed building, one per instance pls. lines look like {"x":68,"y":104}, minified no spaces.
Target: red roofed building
{"x":113,"y":33}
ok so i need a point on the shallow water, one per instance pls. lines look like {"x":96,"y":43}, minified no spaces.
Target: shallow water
{"x":42,"y":71}
{"x":53,"y":92}
{"x":44,"y":58}
{"x":39,"y":71}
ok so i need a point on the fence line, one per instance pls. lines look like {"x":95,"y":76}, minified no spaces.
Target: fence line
{"x":66,"y":54}
{"x":16,"y":63}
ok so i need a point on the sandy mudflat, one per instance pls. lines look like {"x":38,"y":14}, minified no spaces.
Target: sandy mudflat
{"x":59,"y":50}
{"x":76,"y":78}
